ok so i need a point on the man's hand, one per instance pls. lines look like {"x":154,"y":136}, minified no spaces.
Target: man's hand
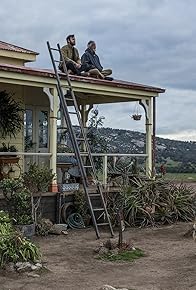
{"x":78,"y":65}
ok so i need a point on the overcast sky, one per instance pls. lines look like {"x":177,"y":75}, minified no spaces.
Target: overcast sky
{"x":146,"y":41}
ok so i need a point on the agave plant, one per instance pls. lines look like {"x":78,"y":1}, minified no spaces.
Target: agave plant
{"x":150,"y":203}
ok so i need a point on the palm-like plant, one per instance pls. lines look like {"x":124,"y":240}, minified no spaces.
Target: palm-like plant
{"x":11,"y":118}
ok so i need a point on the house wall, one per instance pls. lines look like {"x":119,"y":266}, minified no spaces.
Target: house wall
{"x":13,"y":61}
{"x":15,"y":57}
{"x":35,"y":97}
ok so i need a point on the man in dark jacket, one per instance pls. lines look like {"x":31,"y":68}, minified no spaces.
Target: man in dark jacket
{"x":91,"y":60}
{"x":71,"y":56}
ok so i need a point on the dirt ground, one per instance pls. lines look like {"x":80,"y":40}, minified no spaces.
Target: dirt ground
{"x":170,"y":263}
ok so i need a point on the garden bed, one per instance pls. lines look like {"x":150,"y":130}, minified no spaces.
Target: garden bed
{"x":169,"y":262}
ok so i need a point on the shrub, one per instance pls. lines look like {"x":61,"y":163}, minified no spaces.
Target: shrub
{"x":13,"y":247}
{"x":18,"y":198}
{"x":38,"y":178}
{"x":149,"y":203}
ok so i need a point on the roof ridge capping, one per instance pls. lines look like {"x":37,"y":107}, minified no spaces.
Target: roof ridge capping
{"x":12,"y":47}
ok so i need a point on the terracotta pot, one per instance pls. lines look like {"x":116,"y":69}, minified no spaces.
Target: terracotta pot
{"x":6,"y":159}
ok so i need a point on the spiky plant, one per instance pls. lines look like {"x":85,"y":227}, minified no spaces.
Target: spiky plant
{"x":155,"y":202}
{"x":11,"y":119}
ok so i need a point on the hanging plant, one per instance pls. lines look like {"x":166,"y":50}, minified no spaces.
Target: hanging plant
{"x":137,"y":117}
{"x":137,"y":113}
{"x":11,"y":117}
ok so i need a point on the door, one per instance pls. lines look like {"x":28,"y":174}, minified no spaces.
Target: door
{"x":36,"y":133}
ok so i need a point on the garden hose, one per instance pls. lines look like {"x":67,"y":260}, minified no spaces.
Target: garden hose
{"x":75,"y":221}
{"x":66,"y":210}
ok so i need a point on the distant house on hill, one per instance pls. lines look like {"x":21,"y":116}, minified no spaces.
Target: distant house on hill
{"x":36,"y":90}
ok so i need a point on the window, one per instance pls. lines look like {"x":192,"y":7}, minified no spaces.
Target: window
{"x":43,"y":129}
{"x":28,"y":129}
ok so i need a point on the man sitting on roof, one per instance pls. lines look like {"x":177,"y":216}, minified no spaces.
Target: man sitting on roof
{"x":91,"y":59}
{"x":71,"y":56}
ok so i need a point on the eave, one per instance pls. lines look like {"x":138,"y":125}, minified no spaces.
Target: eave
{"x":88,"y":90}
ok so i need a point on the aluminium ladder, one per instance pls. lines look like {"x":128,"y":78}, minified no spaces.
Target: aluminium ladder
{"x":77,"y":141}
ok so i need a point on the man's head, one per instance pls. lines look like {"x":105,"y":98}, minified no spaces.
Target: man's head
{"x":71,"y":39}
{"x":92,"y":45}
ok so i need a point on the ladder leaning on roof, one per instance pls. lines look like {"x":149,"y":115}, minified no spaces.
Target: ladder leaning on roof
{"x":76,"y":141}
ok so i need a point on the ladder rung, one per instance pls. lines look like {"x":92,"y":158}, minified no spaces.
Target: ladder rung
{"x":64,"y":86}
{"x":67,"y":99}
{"x":94,"y":194}
{"x":98,"y":209}
{"x":54,"y":49}
{"x":72,"y":113}
{"x":56,"y":60}
{"x":103,"y":224}
{"x":82,"y":139}
{"x":87,"y":166}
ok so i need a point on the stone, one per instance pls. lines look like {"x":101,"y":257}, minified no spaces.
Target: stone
{"x":23,"y":266}
{"x":38,"y":265}
{"x":33,"y":275}
{"x":34,"y":268}
{"x":97,"y":249}
{"x":57,"y":229}
{"x":10,"y":267}
{"x":103,"y":251}
{"x":107,"y":287}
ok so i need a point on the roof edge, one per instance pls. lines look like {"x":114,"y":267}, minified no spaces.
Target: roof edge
{"x":20,"y":49}
{"x":51,"y":74}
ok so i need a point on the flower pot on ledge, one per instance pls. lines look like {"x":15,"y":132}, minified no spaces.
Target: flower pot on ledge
{"x":6,"y":162}
{"x":7,"y":159}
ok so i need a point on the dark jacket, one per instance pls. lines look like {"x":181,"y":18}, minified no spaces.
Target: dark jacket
{"x":91,"y":59}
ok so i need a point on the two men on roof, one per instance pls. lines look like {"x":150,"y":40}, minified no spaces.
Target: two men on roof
{"x":88,"y":65}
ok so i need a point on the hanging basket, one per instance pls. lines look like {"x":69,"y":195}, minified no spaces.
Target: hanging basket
{"x":136,"y":117}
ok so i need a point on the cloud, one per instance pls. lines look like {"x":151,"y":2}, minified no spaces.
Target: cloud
{"x":151,"y":42}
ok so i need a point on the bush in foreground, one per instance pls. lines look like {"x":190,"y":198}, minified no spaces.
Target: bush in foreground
{"x":13,"y":247}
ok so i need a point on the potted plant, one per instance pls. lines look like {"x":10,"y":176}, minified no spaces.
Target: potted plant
{"x":137,"y":117}
{"x":38,"y":178}
{"x":6,"y":161}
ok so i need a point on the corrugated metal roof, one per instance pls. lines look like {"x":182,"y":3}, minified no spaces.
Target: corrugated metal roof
{"x":50,"y":74}
{"x":15,"y":48}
